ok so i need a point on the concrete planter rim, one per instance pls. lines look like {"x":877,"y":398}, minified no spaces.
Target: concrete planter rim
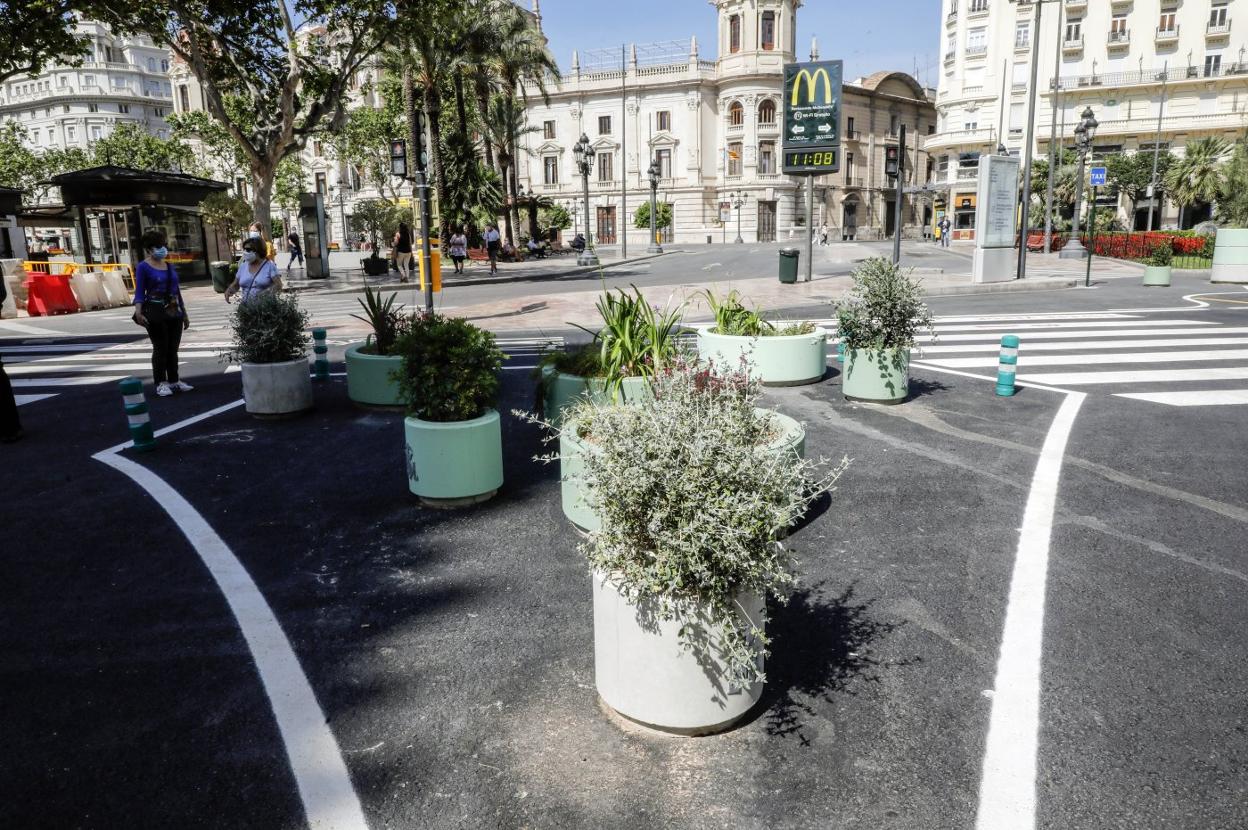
{"x":491,"y":414}
{"x":354,"y":349}
{"x":708,"y":330}
{"x":303,"y":359}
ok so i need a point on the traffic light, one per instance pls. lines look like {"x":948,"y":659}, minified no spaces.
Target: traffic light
{"x":422,"y":153}
{"x":890,"y":162}
{"x":398,"y":158}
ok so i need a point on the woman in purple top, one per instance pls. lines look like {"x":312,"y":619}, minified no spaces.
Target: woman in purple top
{"x":158,"y":307}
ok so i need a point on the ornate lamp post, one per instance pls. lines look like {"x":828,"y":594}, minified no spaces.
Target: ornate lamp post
{"x":737,"y":200}
{"x":344,"y":192}
{"x":584,"y":161}
{"x":1085,"y":132}
{"x":653,"y":173}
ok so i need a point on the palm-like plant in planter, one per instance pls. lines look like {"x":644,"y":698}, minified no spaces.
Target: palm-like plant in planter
{"x":371,"y":364}
{"x":270,"y":341}
{"x":789,"y":355}
{"x":878,"y":324}
{"x":693,"y":498}
{"x":375,"y":217}
{"x":448,"y":379}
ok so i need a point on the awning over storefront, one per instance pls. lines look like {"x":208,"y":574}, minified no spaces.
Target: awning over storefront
{"x":10,"y":201}
{"x":125,"y":186}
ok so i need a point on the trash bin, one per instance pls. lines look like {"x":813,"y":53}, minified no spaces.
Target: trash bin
{"x":789,"y":258}
{"x":220,"y":272}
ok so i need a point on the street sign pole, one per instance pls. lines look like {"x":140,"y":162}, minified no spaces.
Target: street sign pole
{"x":810,"y":227}
{"x":901,"y":182}
{"x":1096,"y":191}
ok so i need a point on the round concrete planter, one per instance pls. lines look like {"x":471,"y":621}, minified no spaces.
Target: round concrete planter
{"x":876,"y":377}
{"x":791,"y":436}
{"x":456,"y":463}
{"x":368,"y":377}
{"x":562,"y":390}
{"x":642,"y":671}
{"x":776,"y":361}
{"x":1230,"y":256}
{"x":1156,"y":275}
{"x":275,"y":390}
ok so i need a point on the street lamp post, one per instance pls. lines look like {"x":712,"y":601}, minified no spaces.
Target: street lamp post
{"x":653,"y":172}
{"x":343,"y":190}
{"x":584,"y":153}
{"x":1085,"y":132}
{"x":737,"y":199}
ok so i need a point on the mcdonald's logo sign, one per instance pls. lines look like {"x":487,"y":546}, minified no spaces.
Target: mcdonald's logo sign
{"x":810,"y":81}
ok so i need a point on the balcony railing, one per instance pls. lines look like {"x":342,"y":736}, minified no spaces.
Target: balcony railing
{"x":1076,"y":5}
{"x":1215,"y":30}
{"x":1119,"y":38}
{"x":977,"y":50}
{"x":968,"y":173}
{"x":1167,"y":35}
{"x":1169,"y":124}
{"x":1151,"y":76}
{"x":852,"y":135}
{"x":954,"y":138}
{"x":854,"y":181}
{"x":1073,"y":44}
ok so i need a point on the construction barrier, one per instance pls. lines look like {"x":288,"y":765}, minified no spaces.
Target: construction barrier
{"x":114,"y":288}
{"x":88,"y":290}
{"x":48,"y":294}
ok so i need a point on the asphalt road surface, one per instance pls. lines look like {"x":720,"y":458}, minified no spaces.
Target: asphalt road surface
{"x":447,"y":657}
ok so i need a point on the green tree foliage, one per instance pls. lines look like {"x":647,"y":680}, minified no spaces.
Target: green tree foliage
{"x":364,"y":140}
{"x":1197,"y":176}
{"x":219,"y":149}
{"x":129,"y":145}
{"x":1131,"y":173}
{"x":226,"y":214}
{"x":663,"y":219}
{"x":554,"y":218}
{"x":1233,"y":204}
{"x":377,"y":218}
{"x":19,"y":166}
{"x":291,"y":181}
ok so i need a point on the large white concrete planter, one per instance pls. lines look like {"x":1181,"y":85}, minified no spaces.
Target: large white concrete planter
{"x":454,"y":463}
{"x":277,"y":390}
{"x":1156,"y":276}
{"x":792,"y":360}
{"x":790,"y":436}
{"x":1230,"y":256}
{"x":643,"y":672}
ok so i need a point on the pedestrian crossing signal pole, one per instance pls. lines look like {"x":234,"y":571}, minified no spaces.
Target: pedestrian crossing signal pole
{"x":1087,"y":277}
{"x":895,"y":168}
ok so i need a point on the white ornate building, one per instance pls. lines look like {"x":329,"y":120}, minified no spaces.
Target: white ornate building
{"x":1119,"y":57}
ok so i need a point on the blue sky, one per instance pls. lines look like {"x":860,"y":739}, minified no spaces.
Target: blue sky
{"x":868,"y":36}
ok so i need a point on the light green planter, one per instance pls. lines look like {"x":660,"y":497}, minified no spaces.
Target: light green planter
{"x":368,"y":377}
{"x":876,"y":377}
{"x":777,"y":361}
{"x":791,"y":437}
{"x":454,"y":464}
{"x":1156,"y":275}
{"x":562,"y":390}
{"x":1230,"y":256}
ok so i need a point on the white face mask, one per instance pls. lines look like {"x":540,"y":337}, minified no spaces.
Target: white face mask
{"x":253,"y":235}
{"x":249,"y":256}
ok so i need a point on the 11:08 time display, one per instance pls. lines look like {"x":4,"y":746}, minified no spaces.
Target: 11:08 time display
{"x":824,"y":161}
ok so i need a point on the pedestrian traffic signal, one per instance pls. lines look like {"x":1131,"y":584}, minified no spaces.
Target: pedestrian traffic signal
{"x":398,"y":158}
{"x":891,"y":157}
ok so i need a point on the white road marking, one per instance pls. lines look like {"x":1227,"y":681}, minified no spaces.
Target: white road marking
{"x":22,"y":400}
{"x":1007,"y":788}
{"x":1028,"y":360}
{"x":46,"y":368}
{"x":23,"y":328}
{"x":321,"y":775}
{"x":1095,"y":324}
{"x":84,"y":381}
{"x":1141,"y":376}
{"x":1030,"y":346}
{"x":98,"y":356}
{"x":1072,"y":335}
{"x":1209,"y":397}
{"x":1074,"y":315}
{"x":990,"y":378}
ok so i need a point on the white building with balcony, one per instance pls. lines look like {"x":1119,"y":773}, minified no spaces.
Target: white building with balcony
{"x":121,"y":79}
{"x":1141,"y":65}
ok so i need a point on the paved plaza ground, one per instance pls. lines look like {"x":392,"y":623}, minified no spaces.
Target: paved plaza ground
{"x":451,"y":653}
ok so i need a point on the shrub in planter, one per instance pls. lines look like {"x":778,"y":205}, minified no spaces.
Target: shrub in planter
{"x":692,"y":502}
{"x":448,"y":379}
{"x":1157,"y":267}
{"x":371,"y":364}
{"x":878,"y":324}
{"x":270,"y":341}
{"x":781,"y":356}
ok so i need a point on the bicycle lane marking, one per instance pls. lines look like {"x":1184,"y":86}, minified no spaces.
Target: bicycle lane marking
{"x":325,"y":789}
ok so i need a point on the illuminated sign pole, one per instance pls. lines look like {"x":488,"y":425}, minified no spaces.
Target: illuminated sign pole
{"x":812,"y":134}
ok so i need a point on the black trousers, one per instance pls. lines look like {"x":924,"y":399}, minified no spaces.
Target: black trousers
{"x":9,"y":423}
{"x":165,"y":335}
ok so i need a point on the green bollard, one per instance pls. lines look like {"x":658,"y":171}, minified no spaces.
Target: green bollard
{"x":321,"y":365}
{"x":137,"y":414}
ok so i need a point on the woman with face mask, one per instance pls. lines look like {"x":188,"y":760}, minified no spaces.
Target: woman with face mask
{"x":158,"y":307}
{"x":256,"y":275}
{"x":256,"y":231}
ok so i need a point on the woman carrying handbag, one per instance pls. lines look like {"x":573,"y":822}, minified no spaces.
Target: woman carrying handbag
{"x":158,"y":307}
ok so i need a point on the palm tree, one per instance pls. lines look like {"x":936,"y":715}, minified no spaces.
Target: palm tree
{"x":505,"y":123}
{"x":1197,"y":177}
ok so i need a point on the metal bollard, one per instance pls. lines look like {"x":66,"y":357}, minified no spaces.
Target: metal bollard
{"x":137,"y":414}
{"x":321,"y":365}
{"x":1008,"y":366}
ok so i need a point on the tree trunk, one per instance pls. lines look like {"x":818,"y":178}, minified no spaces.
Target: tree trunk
{"x":461,"y":108}
{"x":483,"y":104}
{"x":413,"y":139}
{"x":433,"y":114}
{"x":262,"y":177}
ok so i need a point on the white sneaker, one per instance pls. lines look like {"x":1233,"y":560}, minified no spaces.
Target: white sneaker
{"x":163,"y":390}
{"x":182,"y":386}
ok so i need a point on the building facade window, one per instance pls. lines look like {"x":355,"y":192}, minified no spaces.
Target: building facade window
{"x":734,"y":159}
{"x":1074,"y":29}
{"x":1217,"y":16}
{"x":734,"y":33}
{"x":97,"y":133}
{"x":71,"y":134}
{"x":663,"y":120}
{"x":767,"y":112}
{"x":1166,"y":22}
{"x":548,"y":130}
{"x":664,"y":158}
{"x":550,"y":170}
{"x":977,"y":41}
{"x":1213,"y":65}
{"x":849,"y":128}
{"x":606,"y":167}
{"x":321,"y":186}
{"x":604,"y":125}
{"x":767,"y":158}
{"x":184,"y":97}
{"x":93,"y":107}
{"x":767,"y":32}
{"x":1022,"y":34}
{"x":849,"y":167}
{"x":736,"y":114}
{"x":124,"y":109}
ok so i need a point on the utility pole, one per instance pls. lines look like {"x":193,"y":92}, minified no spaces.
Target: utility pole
{"x":810,"y":227}
{"x":1152,"y":181}
{"x":900,"y":173}
{"x":1030,"y":142}
{"x":623,"y":220}
{"x":1053,"y":149}
{"x":419,"y":161}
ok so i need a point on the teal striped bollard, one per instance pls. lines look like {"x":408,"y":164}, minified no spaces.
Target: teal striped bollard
{"x":1007,"y":366}
{"x":137,"y":414}
{"x":840,"y":348}
{"x":321,"y":365}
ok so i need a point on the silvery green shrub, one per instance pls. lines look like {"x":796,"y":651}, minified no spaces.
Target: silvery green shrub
{"x":692,"y":503}
{"x":884,"y":310}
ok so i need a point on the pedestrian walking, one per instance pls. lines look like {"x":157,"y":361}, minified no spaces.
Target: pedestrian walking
{"x":403,"y":251}
{"x":296,"y":252}
{"x":945,"y":227}
{"x":159,"y":308}
{"x":10,"y":423}
{"x":459,"y":249}
{"x":823,"y":234}
{"x":493,"y":244}
{"x":256,"y":275}
{"x":256,"y":231}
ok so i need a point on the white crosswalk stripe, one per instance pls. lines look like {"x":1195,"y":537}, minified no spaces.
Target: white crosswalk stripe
{"x":1153,"y":359}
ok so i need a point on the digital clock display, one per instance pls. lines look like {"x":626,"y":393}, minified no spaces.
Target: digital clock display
{"x":815,"y":160}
